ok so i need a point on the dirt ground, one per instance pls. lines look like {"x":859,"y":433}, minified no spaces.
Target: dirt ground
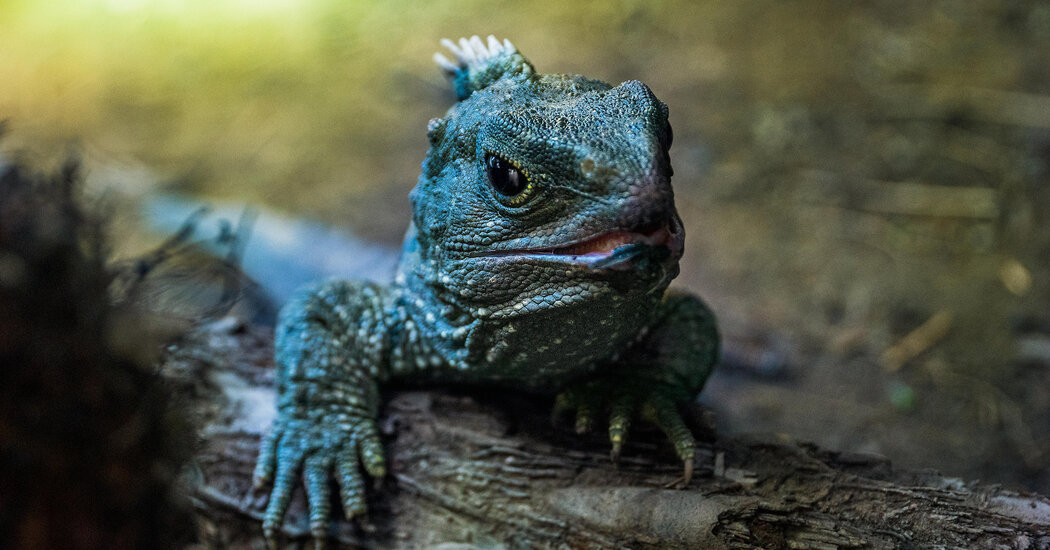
{"x":864,"y":187}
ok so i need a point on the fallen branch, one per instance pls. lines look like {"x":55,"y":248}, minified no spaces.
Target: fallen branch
{"x":476,"y":470}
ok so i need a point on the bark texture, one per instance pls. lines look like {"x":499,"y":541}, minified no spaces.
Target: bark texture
{"x":474,"y":469}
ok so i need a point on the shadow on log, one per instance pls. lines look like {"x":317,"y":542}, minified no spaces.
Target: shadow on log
{"x":476,"y":470}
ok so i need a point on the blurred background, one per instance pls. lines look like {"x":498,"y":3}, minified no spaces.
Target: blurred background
{"x":864,"y":185}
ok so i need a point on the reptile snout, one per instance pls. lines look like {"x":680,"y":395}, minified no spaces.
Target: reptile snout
{"x":649,"y":210}
{"x":647,"y":199}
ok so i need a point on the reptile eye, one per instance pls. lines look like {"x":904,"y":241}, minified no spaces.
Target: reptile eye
{"x":668,"y":136}
{"x":506,"y":179}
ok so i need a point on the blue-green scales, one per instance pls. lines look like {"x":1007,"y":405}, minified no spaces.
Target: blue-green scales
{"x":543,"y":239}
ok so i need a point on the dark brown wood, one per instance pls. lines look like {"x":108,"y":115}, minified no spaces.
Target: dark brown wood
{"x":478,"y":470}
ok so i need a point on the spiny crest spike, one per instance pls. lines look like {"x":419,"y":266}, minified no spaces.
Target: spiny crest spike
{"x":480,"y":63}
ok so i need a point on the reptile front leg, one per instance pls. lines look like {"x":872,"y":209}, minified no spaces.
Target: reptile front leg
{"x":653,"y":379}
{"x":330,"y":344}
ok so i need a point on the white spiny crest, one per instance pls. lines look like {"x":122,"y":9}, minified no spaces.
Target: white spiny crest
{"x":473,"y":52}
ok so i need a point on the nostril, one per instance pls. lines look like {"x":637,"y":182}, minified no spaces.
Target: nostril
{"x":650,"y":226}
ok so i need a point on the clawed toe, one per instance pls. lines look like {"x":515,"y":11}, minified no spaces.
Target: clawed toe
{"x":614,"y":454}
{"x":683,"y":481}
{"x":623,"y":403}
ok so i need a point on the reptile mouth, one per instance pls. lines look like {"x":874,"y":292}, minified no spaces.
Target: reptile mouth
{"x":606,"y":243}
{"x":611,"y":249}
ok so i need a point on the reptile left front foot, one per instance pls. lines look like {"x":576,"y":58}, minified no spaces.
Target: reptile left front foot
{"x":623,"y":397}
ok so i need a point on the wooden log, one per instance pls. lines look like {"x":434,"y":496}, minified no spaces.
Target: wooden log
{"x":477,"y":469}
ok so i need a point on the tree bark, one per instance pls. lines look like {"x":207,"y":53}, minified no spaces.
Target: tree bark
{"x":478,"y":469}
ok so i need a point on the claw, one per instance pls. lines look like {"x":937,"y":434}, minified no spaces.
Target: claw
{"x":365,"y":525}
{"x":355,"y":513}
{"x":351,"y":486}
{"x":287,"y":472}
{"x":623,"y":402}
{"x":315,"y":477}
{"x":687,"y":476}
{"x":584,"y":422}
{"x":562,"y":407}
{"x":370,"y":451}
{"x":586,"y":407}
{"x":267,"y":461}
{"x":619,"y":424}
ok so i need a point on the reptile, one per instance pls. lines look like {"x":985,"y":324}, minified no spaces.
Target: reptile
{"x":543,"y":239}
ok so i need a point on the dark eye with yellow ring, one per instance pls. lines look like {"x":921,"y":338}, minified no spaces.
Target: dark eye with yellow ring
{"x":508,"y":181}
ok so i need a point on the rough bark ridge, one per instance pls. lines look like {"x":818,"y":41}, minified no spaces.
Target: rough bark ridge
{"x":476,"y":470}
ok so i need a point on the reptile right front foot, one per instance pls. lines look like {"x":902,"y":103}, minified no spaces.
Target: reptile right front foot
{"x":319,"y":444}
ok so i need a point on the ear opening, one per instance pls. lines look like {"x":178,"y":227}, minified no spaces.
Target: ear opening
{"x":479,"y":65}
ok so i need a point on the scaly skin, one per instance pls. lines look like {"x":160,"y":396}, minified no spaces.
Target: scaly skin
{"x":543,"y":238}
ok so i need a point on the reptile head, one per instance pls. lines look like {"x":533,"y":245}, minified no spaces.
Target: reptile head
{"x":544,"y":191}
